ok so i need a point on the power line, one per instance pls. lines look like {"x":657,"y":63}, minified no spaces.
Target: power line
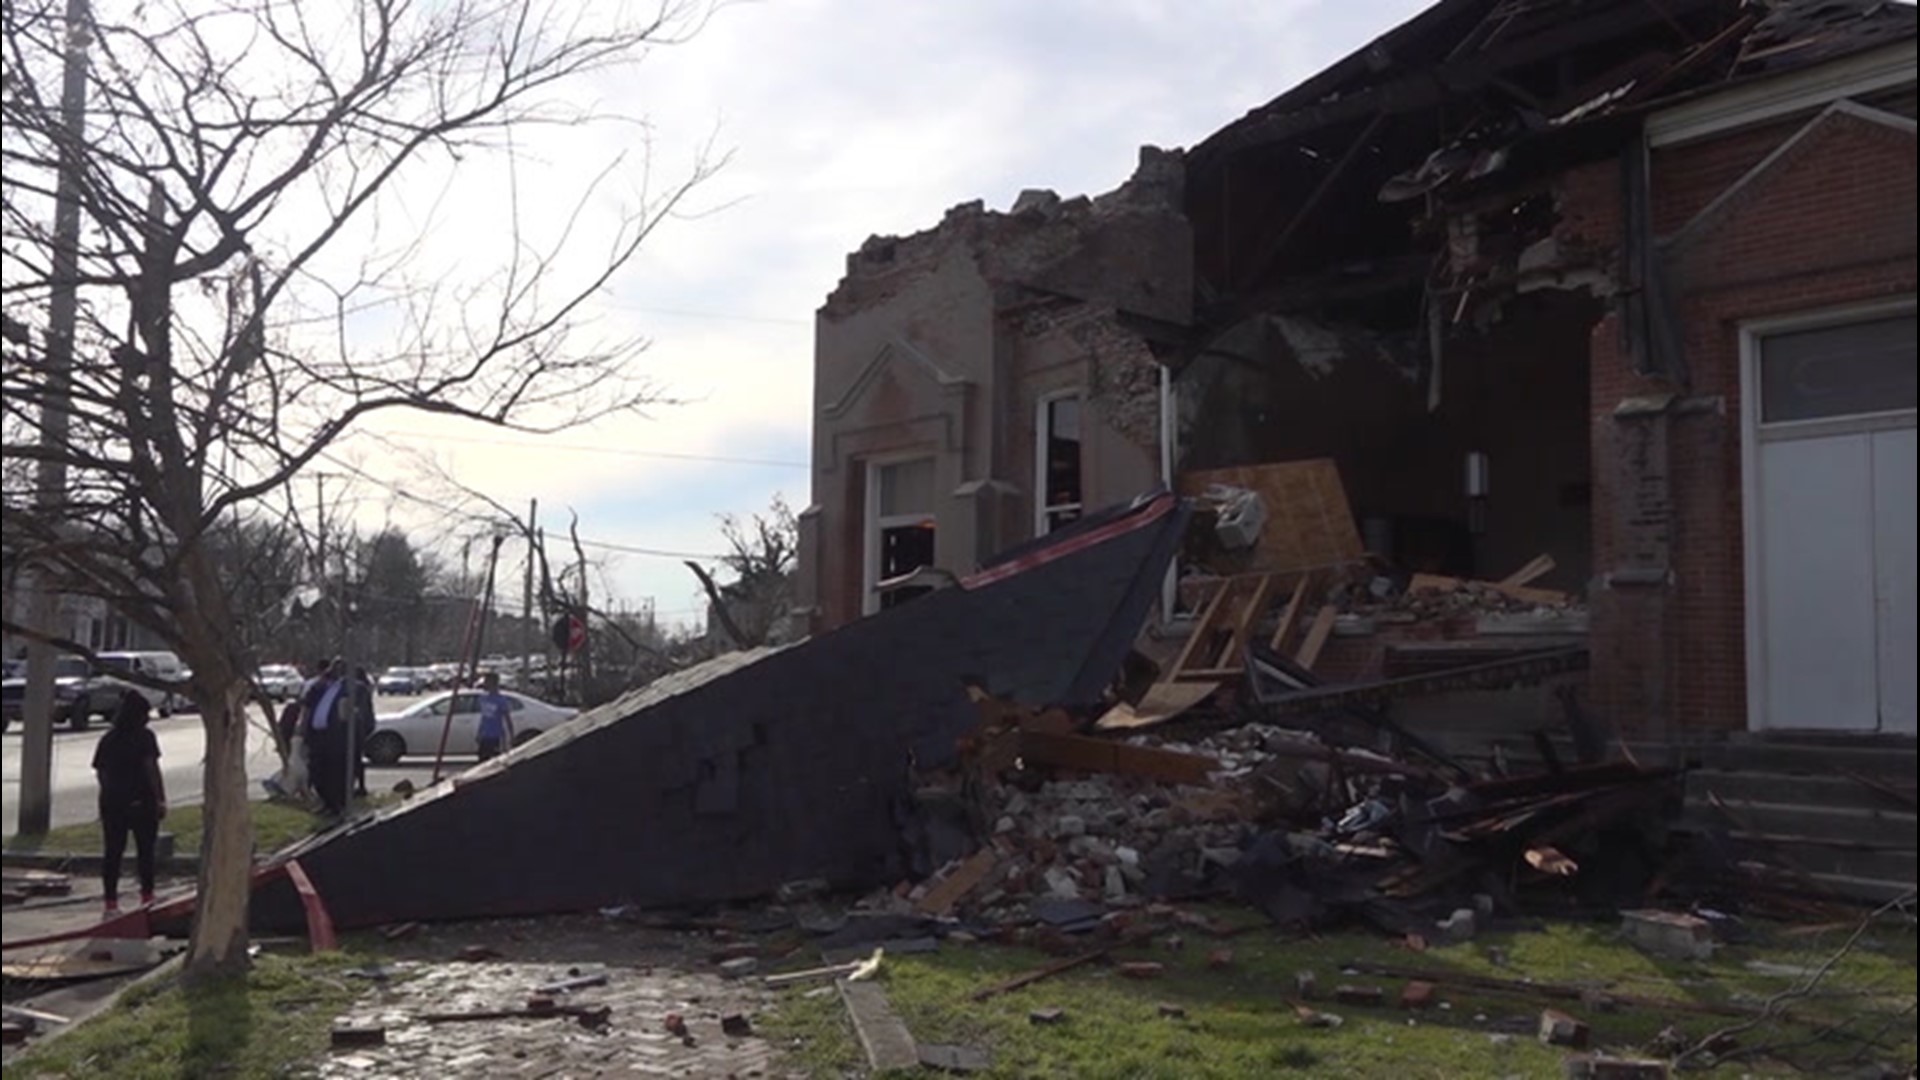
{"x":484,"y":519}
{"x":717,"y":316}
{"x":673,"y":455}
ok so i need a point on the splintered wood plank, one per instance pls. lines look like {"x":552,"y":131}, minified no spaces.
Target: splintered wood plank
{"x":1316,"y":638}
{"x":1202,"y":630}
{"x":965,"y":878}
{"x":1163,"y":701}
{"x":883,"y":1035}
{"x":1537,"y":567}
{"x":1229,"y":658}
{"x":1442,"y":583}
{"x":1291,"y":613}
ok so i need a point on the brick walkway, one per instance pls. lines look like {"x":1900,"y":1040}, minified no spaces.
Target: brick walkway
{"x":634,"y":1044}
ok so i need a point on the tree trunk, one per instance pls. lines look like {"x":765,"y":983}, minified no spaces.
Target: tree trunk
{"x":219,"y":946}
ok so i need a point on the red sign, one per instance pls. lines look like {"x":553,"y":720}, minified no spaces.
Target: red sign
{"x":569,"y":633}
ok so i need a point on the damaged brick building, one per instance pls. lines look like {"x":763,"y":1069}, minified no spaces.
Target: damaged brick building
{"x":1625,"y":285}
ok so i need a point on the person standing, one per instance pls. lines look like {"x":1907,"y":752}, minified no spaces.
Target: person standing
{"x":363,"y":724}
{"x":133,"y":797}
{"x":495,"y":732}
{"x":325,"y":724}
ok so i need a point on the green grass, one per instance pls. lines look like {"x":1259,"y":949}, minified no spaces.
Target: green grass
{"x":275,"y":825}
{"x":1240,"y":1022}
{"x":279,"y":1016}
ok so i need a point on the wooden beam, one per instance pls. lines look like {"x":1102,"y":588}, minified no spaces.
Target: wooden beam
{"x":1537,"y":567}
{"x":965,"y":878}
{"x":1317,"y":635}
{"x":1229,"y":657}
{"x":1269,"y":255}
{"x":1202,"y":630}
{"x":1291,"y":613}
{"x":1106,"y":756}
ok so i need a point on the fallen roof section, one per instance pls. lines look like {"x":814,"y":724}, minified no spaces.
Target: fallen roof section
{"x":722,"y":781}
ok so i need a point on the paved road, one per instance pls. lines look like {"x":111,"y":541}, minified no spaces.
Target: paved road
{"x":182,"y":747}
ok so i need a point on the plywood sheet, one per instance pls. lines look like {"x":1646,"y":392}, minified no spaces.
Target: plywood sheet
{"x":1308,"y":523}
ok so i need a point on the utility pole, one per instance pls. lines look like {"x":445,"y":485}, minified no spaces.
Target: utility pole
{"x":527,"y":624}
{"x":36,"y":751}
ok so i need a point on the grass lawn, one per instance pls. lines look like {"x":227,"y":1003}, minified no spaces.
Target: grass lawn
{"x":275,"y":825}
{"x":280,"y":1016}
{"x":1240,"y":1022}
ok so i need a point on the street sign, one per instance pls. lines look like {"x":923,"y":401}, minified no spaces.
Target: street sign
{"x":569,"y":633}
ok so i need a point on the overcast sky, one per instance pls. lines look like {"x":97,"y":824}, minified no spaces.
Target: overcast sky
{"x":845,"y":119}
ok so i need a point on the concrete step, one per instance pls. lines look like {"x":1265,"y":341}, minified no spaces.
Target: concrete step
{"x":1810,"y":790}
{"x":1871,"y":889}
{"x":1883,"y":828}
{"x":1816,"y":858}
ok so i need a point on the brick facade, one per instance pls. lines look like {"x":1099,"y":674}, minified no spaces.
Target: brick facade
{"x":1813,"y":212}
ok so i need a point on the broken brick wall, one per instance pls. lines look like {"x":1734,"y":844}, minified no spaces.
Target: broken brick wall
{"x":941,"y":344}
{"x":1827,"y":226}
{"x":1514,"y":387}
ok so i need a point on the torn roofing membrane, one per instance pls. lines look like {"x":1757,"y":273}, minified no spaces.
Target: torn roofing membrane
{"x":722,"y":781}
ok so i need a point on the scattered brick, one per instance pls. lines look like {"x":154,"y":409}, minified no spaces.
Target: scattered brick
{"x":1142,"y":969}
{"x":736,"y":1025}
{"x":1417,"y":995}
{"x":1047,"y":1016}
{"x":1220,"y":959}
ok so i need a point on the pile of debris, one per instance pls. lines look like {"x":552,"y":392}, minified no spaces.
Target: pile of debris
{"x":1073,"y":826}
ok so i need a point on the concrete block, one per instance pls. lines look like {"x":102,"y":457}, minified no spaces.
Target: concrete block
{"x":1359,"y":995}
{"x":1670,"y":934}
{"x":1559,"y":1029}
{"x":1602,"y":1067}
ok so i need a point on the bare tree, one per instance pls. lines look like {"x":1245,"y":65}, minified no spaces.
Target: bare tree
{"x":761,"y":554}
{"x":249,"y":290}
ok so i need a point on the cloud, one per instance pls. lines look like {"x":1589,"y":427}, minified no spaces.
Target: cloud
{"x":845,"y":118}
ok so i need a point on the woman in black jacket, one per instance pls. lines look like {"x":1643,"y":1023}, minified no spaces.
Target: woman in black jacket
{"x":133,"y":798}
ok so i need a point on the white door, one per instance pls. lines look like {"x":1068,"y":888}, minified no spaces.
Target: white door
{"x":1894,"y":556}
{"x":1831,"y":529}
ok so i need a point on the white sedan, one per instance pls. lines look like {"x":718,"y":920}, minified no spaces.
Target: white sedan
{"x":416,"y":729}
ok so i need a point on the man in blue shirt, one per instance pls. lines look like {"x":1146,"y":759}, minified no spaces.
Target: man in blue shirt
{"x":495,"y":732}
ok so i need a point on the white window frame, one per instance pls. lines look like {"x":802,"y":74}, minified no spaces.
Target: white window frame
{"x":1753,"y":431}
{"x":1042,"y":429}
{"x":873,"y":524}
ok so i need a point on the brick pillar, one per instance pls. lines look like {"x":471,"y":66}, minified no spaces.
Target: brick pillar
{"x":1632,"y":596}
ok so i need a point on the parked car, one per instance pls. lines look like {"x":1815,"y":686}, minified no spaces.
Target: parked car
{"x":81,"y":692}
{"x":401,"y":680}
{"x":13,"y":693}
{"x":416,"y":729}
{"x":279,"y":681}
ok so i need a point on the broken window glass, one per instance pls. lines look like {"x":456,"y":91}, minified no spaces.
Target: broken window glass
{"x":1834,"y":371}
{"x":1060,"y":462}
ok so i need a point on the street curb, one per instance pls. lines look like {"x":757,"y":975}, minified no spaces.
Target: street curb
{"x":89,"y":863}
